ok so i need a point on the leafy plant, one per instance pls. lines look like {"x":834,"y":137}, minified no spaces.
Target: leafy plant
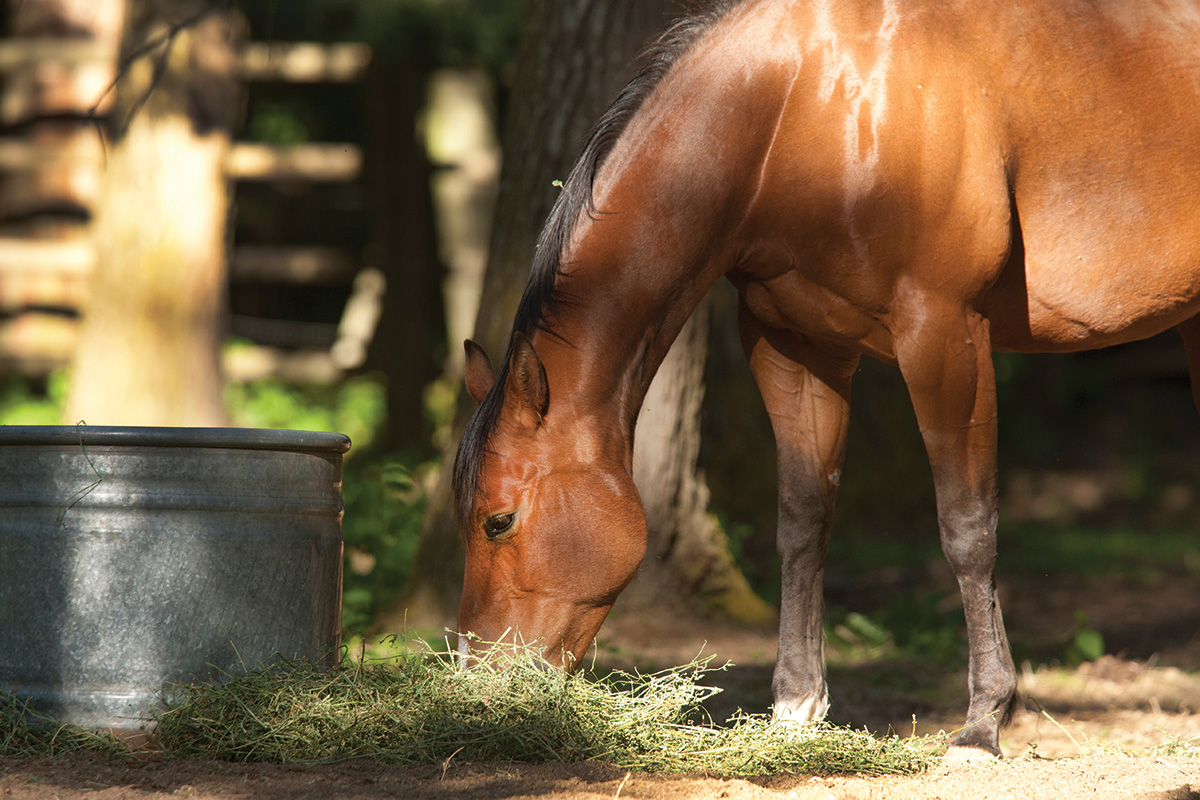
{"x":356,"y":407}
{"x":915,"y":626}
{"x":21,"y":404}
{"x":277,"y":123}
{"x":1082,"y":643}
{"x":384,"y":506}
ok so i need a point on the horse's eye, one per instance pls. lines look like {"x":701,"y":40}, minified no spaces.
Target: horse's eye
{"x":497,"y":526}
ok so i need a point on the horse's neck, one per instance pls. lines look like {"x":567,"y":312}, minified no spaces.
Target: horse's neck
{"x":666,"y":228}
{"x":622,"y":314}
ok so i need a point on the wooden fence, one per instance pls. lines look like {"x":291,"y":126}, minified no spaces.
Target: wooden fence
{"x":51,"y":176}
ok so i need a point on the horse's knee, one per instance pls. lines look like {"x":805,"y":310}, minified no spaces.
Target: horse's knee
{"x":804,"y":523}
{"x":969,"y":544}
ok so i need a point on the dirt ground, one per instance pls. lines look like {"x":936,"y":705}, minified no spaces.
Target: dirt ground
{"x":1074,"y":736}
{"x":1091,"y":777}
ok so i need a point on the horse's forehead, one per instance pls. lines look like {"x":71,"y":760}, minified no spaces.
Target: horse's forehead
{"x":509,"y":459}
{"x":519,"y":462}
{"x":565,"y":437}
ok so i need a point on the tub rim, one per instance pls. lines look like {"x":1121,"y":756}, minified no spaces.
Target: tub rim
{"x":137,"y":436}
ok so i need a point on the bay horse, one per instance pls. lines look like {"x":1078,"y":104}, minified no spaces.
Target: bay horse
{"x":919,"y":181}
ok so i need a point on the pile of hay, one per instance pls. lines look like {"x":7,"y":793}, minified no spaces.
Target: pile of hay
{"x":420,"y":709}
{"x":26,"y":733}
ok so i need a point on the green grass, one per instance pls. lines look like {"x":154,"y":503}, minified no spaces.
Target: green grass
{"x":1026,"y":548}
{"x":925,"y":623}
{"x":1094,"y":551}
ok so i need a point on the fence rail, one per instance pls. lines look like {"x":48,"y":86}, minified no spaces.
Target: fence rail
{"x":32,"y":51}
{"x":43,"y":281}
{"x":249,"y":161}
{"x":323,"y":162}
{"x":304,"y":62}
{"x":291,"y":62}
{"x":73,"y":260}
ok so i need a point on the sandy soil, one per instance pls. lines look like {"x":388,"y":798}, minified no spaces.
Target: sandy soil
{"x":1073,"y":737}
{"x":1091,"y":777}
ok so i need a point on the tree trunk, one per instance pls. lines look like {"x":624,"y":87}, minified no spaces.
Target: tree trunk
{"x":150,"y":347}
{"x":688,"y":552}
{"x":575,"y":56}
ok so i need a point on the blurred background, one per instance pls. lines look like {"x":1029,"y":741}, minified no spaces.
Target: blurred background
{"x":290,"y":213}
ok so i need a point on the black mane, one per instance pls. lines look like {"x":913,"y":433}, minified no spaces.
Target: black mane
{"x":542,"y":296}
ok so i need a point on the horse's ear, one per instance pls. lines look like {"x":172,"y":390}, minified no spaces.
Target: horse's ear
{"x":480,"y":375}
{"x":526,"y":390}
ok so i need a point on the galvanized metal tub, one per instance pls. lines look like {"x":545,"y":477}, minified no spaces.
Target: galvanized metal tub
{"x":136,"y":559}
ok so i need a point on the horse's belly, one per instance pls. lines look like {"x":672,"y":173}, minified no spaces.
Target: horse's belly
{"x":1109,"y":250}
{"x":1066,"y":307}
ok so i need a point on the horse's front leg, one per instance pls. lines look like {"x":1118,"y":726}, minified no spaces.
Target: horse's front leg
{"x":806,"y":392}
{"x":946,"y":361}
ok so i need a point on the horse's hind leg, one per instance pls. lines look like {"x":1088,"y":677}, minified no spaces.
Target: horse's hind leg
{"x":945,"y":357}
{"x":806,"y":393}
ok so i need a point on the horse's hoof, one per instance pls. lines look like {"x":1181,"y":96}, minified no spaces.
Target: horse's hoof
{"x":800,"y":714}
{"x":960,"y":755}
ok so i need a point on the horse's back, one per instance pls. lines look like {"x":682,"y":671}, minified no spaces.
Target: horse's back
{"x":1038,"y":157}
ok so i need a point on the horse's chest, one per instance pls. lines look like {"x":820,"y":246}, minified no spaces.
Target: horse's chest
{"x":790,"y":301}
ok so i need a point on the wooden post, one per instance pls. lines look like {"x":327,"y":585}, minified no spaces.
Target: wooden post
{"x":410,"y":343}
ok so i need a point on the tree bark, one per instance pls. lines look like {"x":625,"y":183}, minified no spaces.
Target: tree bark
{"x":150,"y":347}
{"x":688,"y":553}
{"x":574,"y":57}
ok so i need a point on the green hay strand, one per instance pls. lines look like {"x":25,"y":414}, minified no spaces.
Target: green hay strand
{"x":24,"y":733}
{"x":420,"y":709}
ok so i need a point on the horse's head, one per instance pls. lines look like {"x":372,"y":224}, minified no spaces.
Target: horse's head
{"x":552,"y":523}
